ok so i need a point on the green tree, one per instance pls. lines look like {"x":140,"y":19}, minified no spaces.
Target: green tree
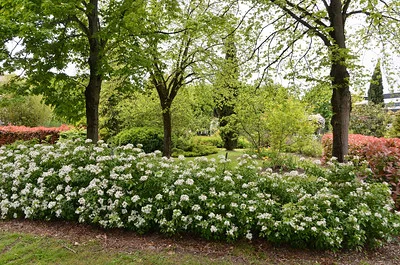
{"x":227,"y":86}
{"x":51,"y":35}
{"x":178,"y":41}
{"x":322,"y":24}
{"x":318,"y":100}
{"x":272,"y":116}
{"x":375,"y":91}
{"x":142,"y":109}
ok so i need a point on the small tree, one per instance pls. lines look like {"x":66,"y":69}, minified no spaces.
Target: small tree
{"x":318,"y":100}
{"x":271,"y":116}
{"x":178,"y":46}
{"x":375,"y":92}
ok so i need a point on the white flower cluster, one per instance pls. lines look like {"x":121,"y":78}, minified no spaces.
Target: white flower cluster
{"x":127,"y":188}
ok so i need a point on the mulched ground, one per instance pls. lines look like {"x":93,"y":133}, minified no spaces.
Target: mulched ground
{"x":127,"y":241}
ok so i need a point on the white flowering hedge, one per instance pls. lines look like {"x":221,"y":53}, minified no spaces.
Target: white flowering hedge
{"x":124,"y":187}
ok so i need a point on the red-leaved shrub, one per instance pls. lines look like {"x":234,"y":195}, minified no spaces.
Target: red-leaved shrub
{"x":382,"y":155}
{"x":10,"y":134}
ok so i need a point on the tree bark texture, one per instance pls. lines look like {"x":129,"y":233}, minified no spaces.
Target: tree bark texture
{"x":341,"y":97}
{"x":92,"y":92}
{"x":166,"y":100}
{"x":167,"y":122}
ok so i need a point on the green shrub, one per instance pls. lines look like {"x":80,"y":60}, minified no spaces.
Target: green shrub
{"x":73,"y":134}
{"x":214,"y":140}
{"x":192,"y":148}
{"x":394,"y":130}
{"x":279,"y":161}
{"x":307,"y":146}
{"x":369,"y":119}
{"x":243,"y":143}
{"x":151,"y":138}
{"x":195,"y":150}
{"x":25,"y":111}
{"x":272,"y":117}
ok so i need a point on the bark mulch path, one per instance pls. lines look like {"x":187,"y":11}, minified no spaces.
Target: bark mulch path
{"x":127,"y":241}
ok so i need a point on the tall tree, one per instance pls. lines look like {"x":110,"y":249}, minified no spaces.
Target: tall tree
{"x":327,"y":20}
{"x":50,"y":35}
{"x":227,"y":84}
{"x":375,"y":91}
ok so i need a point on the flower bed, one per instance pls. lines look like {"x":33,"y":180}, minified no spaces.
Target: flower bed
{"x":10,"y":134}
{"x":382,"y":155}
{"x":124,"y":187}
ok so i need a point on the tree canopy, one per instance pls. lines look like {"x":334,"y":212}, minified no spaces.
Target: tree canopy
{"x":323,"y":29}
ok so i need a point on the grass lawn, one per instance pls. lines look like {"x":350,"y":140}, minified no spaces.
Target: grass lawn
{"x":232,"y":155}
{"x":20,"y":248}
{"x":39,"y":242}
{"x":29,"y":249}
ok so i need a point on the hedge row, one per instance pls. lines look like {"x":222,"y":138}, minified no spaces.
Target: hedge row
{"x":382,"y":155}
{"x":10,"y":134}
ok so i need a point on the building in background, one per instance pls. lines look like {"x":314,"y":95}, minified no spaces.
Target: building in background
{"x":391,"y":100}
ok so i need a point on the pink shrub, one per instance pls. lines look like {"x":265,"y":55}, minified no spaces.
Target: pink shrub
{"x":382,"y":155}
{"x":10,"y":134}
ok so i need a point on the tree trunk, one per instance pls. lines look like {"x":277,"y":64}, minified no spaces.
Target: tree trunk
{"x":341,"y":97}
{"x":92,"y":96}
{"x":92,"y":92}
{"x":166,"y":114}
{"x":341,"y":106}
{"x":227,"y":128}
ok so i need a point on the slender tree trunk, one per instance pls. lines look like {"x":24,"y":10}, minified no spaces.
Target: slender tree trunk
{"x":341,"y":97}
{"x":92,"y":92}
{"x":92,"y":96}
{"x":167,"y":122}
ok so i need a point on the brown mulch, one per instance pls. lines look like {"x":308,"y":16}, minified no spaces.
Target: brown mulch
{"x":128,"y":241}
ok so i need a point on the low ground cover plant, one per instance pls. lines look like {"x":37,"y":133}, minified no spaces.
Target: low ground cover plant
{"x":382,"y":155}
{"x":124,"y":187}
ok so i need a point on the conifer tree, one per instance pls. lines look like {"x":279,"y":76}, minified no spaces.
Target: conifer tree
{"x":375,"y":92}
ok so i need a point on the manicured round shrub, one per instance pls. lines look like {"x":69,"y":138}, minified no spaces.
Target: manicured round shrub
{"x":150,"y":138}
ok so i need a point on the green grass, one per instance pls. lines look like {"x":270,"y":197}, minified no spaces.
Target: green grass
{"x":232,"y":155}
{"x":29,"y":249}
{"x":20,"y":248}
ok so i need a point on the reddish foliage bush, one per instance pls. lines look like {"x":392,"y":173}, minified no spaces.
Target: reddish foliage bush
{"x":10,"y":134}
{"x":382,"y":155}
